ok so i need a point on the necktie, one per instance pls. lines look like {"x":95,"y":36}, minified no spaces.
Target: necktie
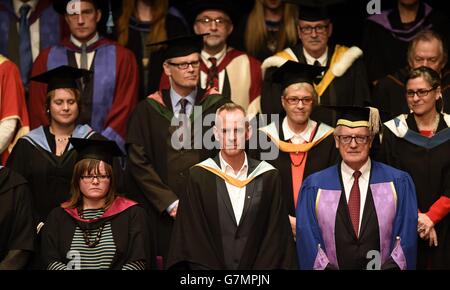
{"x":184,"y":122}
{"x":318,"y":77}
{"x":26,"y":58}
{"x":83,"y":61}
{"x":213,"y":74}
{"x":354,"y":202}
{"x":317,"y":63}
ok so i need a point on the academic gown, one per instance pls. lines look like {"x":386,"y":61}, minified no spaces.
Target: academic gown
{"x":157,"y":173}
{"x":388,"y":95}
{"x":12,"y":102}
{"x":386,"y":39}
{"x":427,"y":161}
{"x":351,"y":88}
{"x":322,"y":155}
{"x":206,"y":235}
{"x":325,"y":235}
{"x":174,"y":27}
{"x":48,"y":175}
{"x":52,"y":27}
{"x":128,"y":226}
{"x":110,"y":92}
{"x":16,"y":223}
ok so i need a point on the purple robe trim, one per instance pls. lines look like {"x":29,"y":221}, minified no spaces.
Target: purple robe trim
{"x":4,"y":31}
{"x":384,"y":199}
{"x":113,"y":135}
{"x":398,"y":256}
{"x":383,"y":20}
{"x":57,"y":57}
{"x":326,"y":217}
{"x":321,"y":261}
{"x":49,"y":28}
{"x":105,"y":85}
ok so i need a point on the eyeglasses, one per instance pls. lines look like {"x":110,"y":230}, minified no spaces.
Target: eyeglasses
{"x":359,"y":139}
{"x":185,"y":65}
{"x":295,"y":101}
{"x":90,"y":178}
{"x":420,"y":93}
{"x":208,"y":21}
{"x":318,"y":29}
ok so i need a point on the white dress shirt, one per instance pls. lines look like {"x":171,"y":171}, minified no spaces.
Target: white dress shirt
{"x":34,"y":28}
{"x":90,"y":55}
{"x":205,"y":57}
{"x":236,"y":194}
{"x":322,"y":59}
{"x":299,"y":138}
{"x":347,"y":179}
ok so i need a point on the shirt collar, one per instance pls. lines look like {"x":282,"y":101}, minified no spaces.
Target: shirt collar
{"x":219,"y":56}
{"x":227,"y":169}
{"x":347,"y":172}
{"x":93,"y":40}
{"x":310,"y":59}
{"x":175,"y":97}
{"x":305,"y":135}
{"x":17,"y":4}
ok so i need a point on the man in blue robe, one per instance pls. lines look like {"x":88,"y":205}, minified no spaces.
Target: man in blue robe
{"x":359,"y":214}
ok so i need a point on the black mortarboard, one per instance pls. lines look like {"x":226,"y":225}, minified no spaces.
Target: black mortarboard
{"x":62,"y":77}
{"x":292,"y":72}
{"x":181,"y":46}
{"x":198,"y":6}
{"x":355,"y":116}
{"x":61,"y":5}
{"x":104,"y":150}
{"x":314,"y":10}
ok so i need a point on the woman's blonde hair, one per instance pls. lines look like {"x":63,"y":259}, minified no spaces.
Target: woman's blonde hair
{"x":89,"y":166}
{"x":256,"y":32}
{"x":158,"y":31}
{"x":51,"y":95}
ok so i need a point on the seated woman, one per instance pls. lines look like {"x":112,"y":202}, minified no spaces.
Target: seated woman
{"x":419,"y":143}
{"x":96,"y":228}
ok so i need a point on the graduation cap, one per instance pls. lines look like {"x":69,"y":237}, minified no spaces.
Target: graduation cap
{"x":181,"y":46}
{"x":314,"y":10}
{"x":198,"y":6}
{"x":292,"y":72}
{"x":354,"y":117}
{"x":71,"y":6}
{"x":62,"y":77}
{"x":104,"y":150}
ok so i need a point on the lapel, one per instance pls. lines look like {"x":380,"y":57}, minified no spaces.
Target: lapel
{"x":223,"y":193}
{"x":250,"y":189}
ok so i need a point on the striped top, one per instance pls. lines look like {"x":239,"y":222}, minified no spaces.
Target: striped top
{"x":99,"y":257}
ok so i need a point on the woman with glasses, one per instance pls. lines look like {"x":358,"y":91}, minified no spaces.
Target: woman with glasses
{"x":96,"y":228}
{"x":419,"y":143}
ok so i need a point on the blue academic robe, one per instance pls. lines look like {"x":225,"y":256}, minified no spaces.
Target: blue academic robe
{"x":391,"y":194}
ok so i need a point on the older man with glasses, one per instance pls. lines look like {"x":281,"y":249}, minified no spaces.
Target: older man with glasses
{"x":359,"y":214}
{"x":343,"y":83}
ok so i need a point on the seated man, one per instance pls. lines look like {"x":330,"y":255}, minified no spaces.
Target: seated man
{"x":232,"y":215}
{"x":359,"y":214}
{"x":16,"y":221}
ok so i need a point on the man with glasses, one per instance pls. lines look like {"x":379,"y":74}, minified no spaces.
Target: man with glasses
{"x":359,"y":214}
{"x":305,"y":146}
{"x":233,"y":73}
{"x":160,"y":158}
{"x":343,"y":83}
{"x":110,"y":94}
{"x":426,"y":49}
